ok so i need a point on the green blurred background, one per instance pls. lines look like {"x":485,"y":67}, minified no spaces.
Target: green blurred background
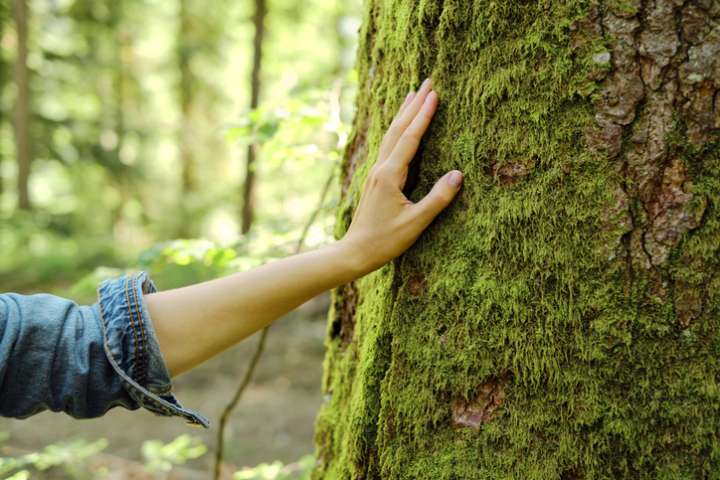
{"x":138,"y":119}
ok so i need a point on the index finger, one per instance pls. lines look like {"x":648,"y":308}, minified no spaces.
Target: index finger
{"x":409,"y":141}
{"x":401,"y":121}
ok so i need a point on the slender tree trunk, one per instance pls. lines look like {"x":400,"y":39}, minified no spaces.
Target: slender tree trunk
{"x":4,"y":19}
{"x":248,"y":192}
{"x":119,"y":73}
{"x":186,"y":99}
{"x":22,"y":106}
{"x":118,"y":95}
{"x":560,"y":319}
{"x":185,"y":144}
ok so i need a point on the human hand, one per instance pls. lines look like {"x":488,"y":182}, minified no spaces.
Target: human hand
{"x":386,"y":222}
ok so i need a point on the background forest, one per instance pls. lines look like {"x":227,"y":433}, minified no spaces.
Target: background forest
{"x":190,"y":139}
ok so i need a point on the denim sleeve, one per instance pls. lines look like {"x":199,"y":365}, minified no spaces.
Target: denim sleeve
{"x":84,"y":359}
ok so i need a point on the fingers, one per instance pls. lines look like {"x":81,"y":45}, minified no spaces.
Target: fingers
{"x":402,"y":120}
{"x":438,"y":198}
{"x":409,"y":141}
{"x":407,"y":101}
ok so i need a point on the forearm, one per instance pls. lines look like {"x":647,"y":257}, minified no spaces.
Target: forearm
{"x":196,"y":322}
{"x":83,"y":359}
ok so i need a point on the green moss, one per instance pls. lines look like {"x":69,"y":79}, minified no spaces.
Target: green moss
{"x":522,"y":276}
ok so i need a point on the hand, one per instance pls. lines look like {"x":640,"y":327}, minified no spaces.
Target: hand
{"x":386,"y":222}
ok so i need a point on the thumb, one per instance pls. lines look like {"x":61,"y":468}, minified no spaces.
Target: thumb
{"x":439,"y":197}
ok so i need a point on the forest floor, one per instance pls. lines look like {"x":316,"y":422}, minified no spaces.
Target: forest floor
{"x":274,"y":420}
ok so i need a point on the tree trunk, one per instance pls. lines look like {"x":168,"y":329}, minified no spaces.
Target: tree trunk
{"x":560,"y":319}
{"x":248,"y":193}
{"x":186,"y":44}
{"x":22,"y":106}
{"x":4,"y":20}
{"x":116,"y":24}
{"x":117,"y":14}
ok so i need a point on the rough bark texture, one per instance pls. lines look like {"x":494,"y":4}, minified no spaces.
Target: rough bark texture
{"x":560,"y":319}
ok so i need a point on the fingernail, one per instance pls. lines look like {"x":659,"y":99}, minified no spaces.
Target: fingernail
{"x":425,"y":82}
{"x":455,"y":178}
{"x":407,"y":97}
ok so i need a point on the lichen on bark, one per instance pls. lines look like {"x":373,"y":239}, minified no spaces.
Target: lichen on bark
{"x":559,"y":320}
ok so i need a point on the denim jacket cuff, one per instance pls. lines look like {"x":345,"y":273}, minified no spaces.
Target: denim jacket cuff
{"x":132,"y":348}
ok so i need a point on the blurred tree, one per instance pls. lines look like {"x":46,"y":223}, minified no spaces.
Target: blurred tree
{"x":186,"y":89}
{"x":121,"y":77}
{"x":119,"y":80}
{"x":560,"y":319}
{"x":22,"y":105}
{"x":85,"y":89}
{"x":248,"y":197}
{"x":200,"y":36}
{"x":4,"y":19}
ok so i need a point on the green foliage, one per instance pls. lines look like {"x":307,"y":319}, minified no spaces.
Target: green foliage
{"x":182,"y":262}
{"x":85,"y":289}
{"x":72,"y":458}
{"x":257,"y":126}
{"x":299,"y":470}
{"x":21,"y":475}
{"x":296,"y":118}
{"x":161,"y":457}
{"x":107,"y":123}
{"x":77,"y":460}
{"x":38,"y":252}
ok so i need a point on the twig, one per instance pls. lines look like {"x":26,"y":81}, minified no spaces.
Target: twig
{"x":259,"y":349}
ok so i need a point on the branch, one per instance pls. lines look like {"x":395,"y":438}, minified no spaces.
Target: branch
{"x":260,"y":348}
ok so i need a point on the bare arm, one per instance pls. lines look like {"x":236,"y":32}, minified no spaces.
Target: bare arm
{"x":196,"y":322}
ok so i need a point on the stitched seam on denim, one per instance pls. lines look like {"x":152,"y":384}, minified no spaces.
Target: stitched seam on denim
{"x":142,"y":353}
{"x":143,"y":360}
{"x":146,"y":346}
{"x":154,"y":405}
{"x":146,"y":397}
{"x":164,"y":391}
{"x":150,"y":289}
{"x":132,"y":321}
{"x":103,"y":322}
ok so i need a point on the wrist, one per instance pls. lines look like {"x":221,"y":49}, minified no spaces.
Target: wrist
{"x":354,"y":258}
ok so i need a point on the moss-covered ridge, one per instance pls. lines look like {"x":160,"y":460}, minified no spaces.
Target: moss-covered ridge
{"x":520,"y":337}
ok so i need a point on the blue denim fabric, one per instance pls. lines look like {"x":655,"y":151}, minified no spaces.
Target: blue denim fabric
{"x":84,"y":359}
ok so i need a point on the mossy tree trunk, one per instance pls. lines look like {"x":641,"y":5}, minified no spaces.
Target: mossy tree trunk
{"x":560,"y":319}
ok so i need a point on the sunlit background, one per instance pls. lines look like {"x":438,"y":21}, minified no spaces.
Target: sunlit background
{"x":139,"y":121}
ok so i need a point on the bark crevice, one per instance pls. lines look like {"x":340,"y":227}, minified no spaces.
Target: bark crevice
{"x":648,"y":85}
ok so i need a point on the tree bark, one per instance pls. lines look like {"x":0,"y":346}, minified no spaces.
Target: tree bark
{"x":248,"y":192}
{"x":22,"y":106}
{"x":560,"y":319}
